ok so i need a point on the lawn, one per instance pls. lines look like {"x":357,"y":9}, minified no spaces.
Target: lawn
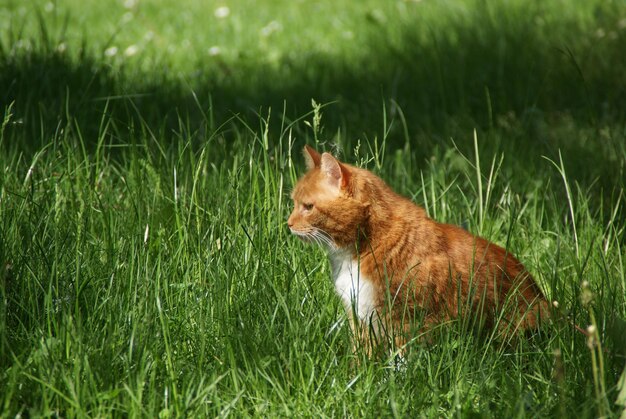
{"x":148,"y":150}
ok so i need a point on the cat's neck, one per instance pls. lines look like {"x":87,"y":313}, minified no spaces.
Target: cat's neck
{"x":389,"y":215}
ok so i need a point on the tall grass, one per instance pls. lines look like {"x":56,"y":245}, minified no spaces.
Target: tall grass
{"x":157,"y":277}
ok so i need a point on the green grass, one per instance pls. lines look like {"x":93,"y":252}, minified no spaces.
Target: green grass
{"x":145,"y":265}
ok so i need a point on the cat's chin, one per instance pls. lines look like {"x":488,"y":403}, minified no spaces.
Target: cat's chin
{"x":307,"y":238}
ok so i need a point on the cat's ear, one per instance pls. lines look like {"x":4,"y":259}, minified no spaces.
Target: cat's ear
{"x":312,"y":158}
{"x":336,"y":173}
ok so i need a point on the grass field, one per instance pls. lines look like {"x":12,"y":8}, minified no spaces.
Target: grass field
{"x":147,"y":152}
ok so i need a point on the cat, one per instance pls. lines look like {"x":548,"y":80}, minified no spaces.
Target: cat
{"x":392,"y":265}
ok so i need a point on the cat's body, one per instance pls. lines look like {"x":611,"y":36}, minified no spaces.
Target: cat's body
{"x":392,"y":263}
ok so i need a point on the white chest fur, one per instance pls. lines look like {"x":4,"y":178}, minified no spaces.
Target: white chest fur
{"x":357,"y":292}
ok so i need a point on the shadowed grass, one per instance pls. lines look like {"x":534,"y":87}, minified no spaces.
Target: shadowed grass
{"x":449,"y":67}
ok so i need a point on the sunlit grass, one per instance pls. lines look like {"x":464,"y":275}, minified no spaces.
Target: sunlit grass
{"x":162,"y":280}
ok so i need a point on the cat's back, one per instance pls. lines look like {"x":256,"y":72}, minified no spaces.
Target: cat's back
{"x":490,"y":265}
{"x":470,"y":251}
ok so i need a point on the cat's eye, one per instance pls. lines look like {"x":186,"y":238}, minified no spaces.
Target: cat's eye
{"x":307,"y":207}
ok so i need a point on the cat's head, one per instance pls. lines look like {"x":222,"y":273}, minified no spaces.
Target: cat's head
{"x":326,"y":209}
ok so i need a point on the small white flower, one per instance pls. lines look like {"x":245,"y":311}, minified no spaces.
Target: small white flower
{"x":274,"y":56}
{"x":127,"y":17}
{"x":131,"y":50}
{"x":377,"y":16}
{"x":23,"y":44}
{"x":110,"y":51}
{"x":215,"y":51}
{"x":49,"y":7}
{"x":555,"y":303}
{"x":591,"y":329}
{"x":221,"y":12}
{"x":270,"y":28}
{"x":61,"y":47}
{"x":129,"y":4}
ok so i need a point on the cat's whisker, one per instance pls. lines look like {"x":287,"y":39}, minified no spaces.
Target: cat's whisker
{"x":312,"y":235}
{"x":318,"y":239}
{"x":315,"y":239}
{"x":324,"y":234}
{"x":324,"y":238}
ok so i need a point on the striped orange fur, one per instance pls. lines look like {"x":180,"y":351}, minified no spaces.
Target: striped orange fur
{"x":393,"y":264}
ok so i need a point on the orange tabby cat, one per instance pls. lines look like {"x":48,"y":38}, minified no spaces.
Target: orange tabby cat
{"x":393,"y":265}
